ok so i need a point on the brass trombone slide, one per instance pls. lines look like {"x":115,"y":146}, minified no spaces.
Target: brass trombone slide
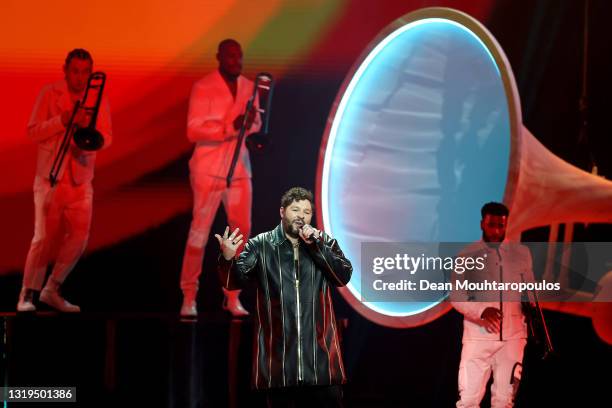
{"x":264,"y":85}
{"x":86,"y":138}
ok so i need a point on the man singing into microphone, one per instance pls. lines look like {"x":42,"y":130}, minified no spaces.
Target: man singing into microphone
{"x":296,"y":358}
{"x":216,"y":114}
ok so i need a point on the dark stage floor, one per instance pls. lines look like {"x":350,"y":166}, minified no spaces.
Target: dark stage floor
{"x":157,"y":360}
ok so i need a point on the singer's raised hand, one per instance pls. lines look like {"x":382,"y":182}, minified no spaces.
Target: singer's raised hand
{"x":229,"y":242}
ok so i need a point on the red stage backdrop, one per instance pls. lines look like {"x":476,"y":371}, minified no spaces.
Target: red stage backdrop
{"x":152,"y":52}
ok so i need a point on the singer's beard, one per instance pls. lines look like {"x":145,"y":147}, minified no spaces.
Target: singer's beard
{"x":292,"y":228}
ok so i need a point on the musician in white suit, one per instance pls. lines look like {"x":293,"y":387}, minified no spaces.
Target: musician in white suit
{"x":216,"y":111}
{"x":65,"y":207}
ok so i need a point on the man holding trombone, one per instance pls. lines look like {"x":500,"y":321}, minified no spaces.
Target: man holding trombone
{"x":63,"y":189}
{"x":216,"y":118}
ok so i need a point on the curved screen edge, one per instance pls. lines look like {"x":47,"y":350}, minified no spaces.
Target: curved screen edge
{"x":421,"y":313}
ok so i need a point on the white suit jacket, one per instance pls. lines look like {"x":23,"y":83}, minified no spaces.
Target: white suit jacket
{"x":212,"y":110}
{"x":46,"y":129}
{"x":516,"y":266}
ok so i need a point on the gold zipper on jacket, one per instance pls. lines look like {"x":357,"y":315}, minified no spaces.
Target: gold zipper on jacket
{"x":299,"y":313}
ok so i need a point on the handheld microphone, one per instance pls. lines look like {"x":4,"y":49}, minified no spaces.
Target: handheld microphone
{"x":313,"y":236}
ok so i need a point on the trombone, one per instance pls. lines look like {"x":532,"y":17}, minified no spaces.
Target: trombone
{"x":263,"y":88}
{"x":86,"y":138}
{"x":538,"y":329}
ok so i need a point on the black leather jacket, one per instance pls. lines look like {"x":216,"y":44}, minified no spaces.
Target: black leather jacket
{"x":296,"y":336}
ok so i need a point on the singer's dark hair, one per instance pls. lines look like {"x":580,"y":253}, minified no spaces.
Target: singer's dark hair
{"x":79,"y":53}
{"x":296,"y":194}
{"x":494,"y":208}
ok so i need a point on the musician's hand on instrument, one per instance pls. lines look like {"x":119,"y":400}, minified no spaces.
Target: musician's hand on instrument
{"x":229,"y":242}
{"x":250,"y":118}
{"x":309,"y":234}
{"x":82,"y":118}
{"x":491,"y":319}
{"x":238,"y":122}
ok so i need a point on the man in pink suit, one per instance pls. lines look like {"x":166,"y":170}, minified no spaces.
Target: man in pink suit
{"x":216,"y":112}
{"x":67,"y":205}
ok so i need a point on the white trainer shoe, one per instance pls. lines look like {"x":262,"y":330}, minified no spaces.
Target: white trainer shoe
{"x":25,"y":303}
{"x":56,"y":301}
{"x":231,"y":303}
{"x":189,"y":308}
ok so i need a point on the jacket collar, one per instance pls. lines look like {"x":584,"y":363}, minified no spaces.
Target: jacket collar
{"x":503,"y":246}
{"x":220,"y":81}
{"x":60,"y":87}
{"x":278,"y":235}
